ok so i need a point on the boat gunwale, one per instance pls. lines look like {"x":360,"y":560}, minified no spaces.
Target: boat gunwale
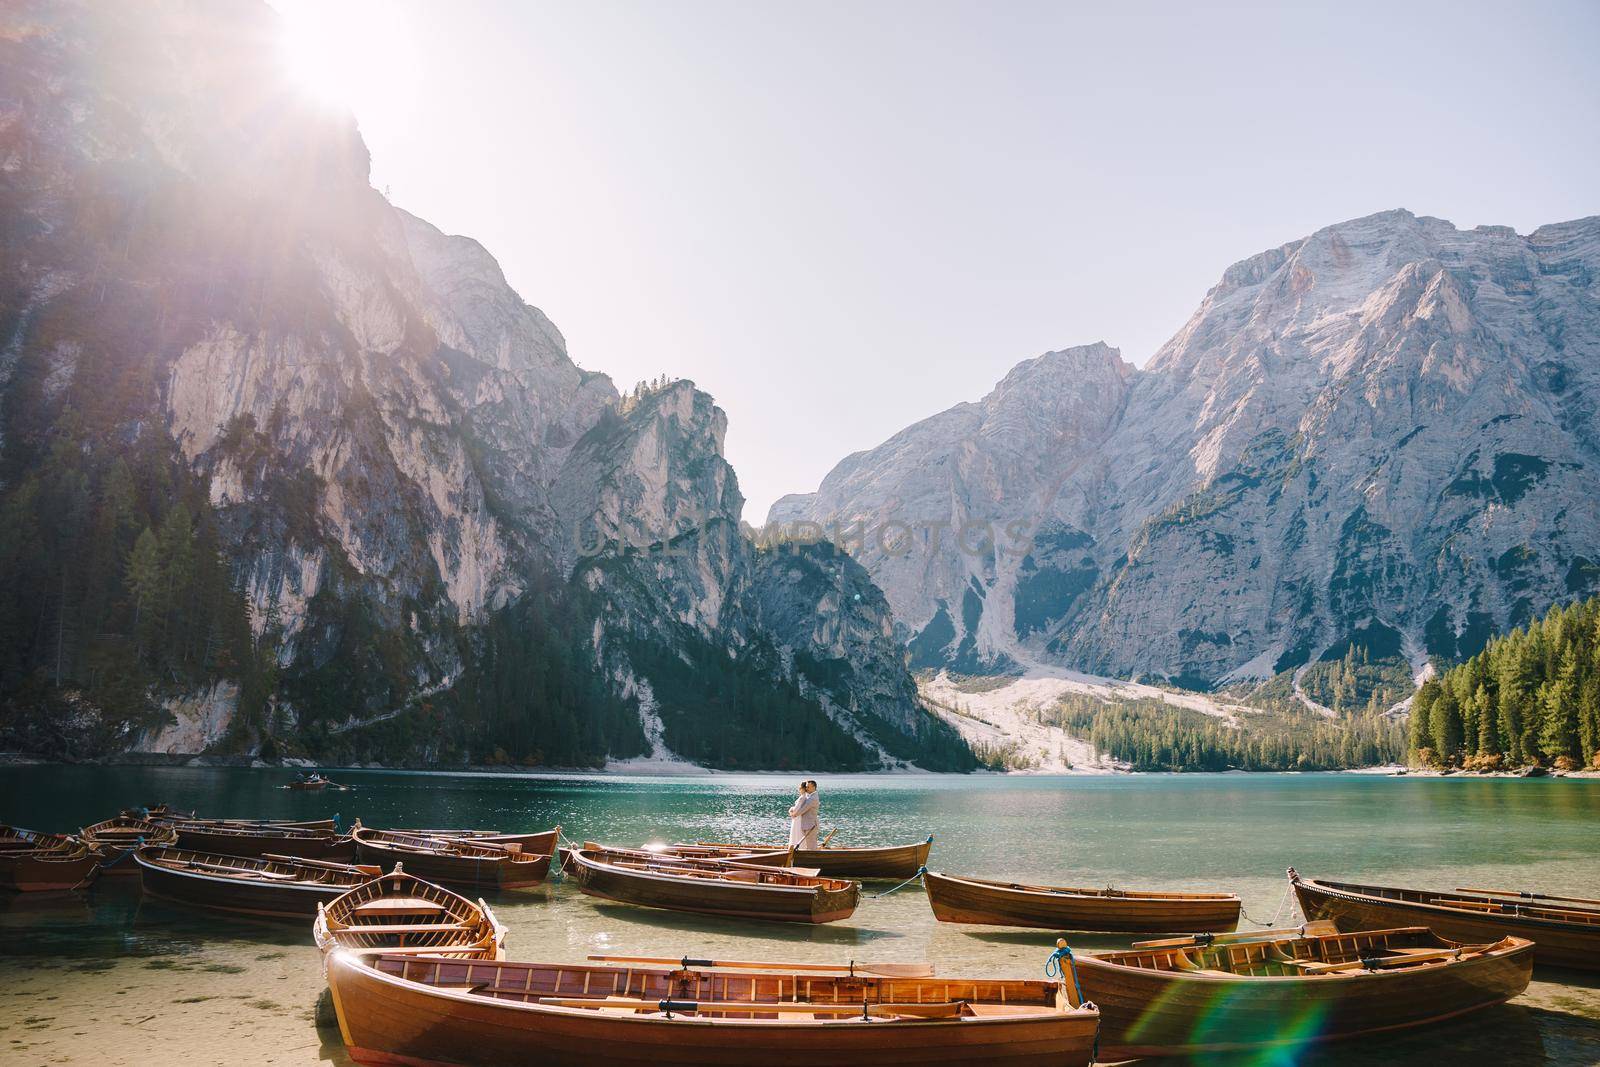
{"x":369,"y":967}
{"x":222,"y":879}
{"x":1327,"y":889}
{"x":820,"y":884}
{"x":1083,"y":893}
{"x":1505,"y":948}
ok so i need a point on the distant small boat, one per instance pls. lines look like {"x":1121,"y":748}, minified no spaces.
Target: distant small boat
{"x":316,"y":782}
{"x":712,"y":887}
{"x":258,"y":840}
{"x":837,"y":861}
{"x":279,"y":887}
{"x":1230,"y":992}
{"x":1564,"y":930}
{"x":454,"y":861}
{"x":1041,"y":907}
{"x":394,"y":1010}
{"x":31,"y":861}
{"x":399,"y":914}
{"x":115,"y":840}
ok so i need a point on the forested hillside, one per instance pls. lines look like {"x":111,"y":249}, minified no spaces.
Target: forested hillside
{"x":1530,"y":697}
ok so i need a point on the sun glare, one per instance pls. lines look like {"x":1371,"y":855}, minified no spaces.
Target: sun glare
{"x":345,"y":53}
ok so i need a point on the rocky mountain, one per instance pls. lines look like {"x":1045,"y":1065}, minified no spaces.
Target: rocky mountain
{"x":283,"y":465}
{"x":1377,"y":443}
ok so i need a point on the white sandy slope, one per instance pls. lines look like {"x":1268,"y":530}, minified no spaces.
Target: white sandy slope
{"x":1008,"y":714}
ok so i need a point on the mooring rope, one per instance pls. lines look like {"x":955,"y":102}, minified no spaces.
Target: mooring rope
{"x":920,"y":872}
{"x":1053,"y":971}
{"x":1272,"y":922}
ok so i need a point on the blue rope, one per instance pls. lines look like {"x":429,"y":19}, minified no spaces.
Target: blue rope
{"x":1054,"y":971}
{"x":902,"y":885}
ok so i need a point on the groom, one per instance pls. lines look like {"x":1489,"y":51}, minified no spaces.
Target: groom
{"x":803,"y":817}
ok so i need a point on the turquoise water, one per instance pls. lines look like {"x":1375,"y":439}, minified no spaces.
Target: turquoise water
{"x":155,"y":981}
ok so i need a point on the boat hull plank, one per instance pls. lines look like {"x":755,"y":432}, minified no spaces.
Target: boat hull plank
{"x":1350,"y":906}
{"x":386,"y":1020}
{"x":890,"y":861}
{"x":988,"y":903}
{"x":461,"y":863}
{"x":804,"y":902}
{"x":267,"y":841}
{"x":1152,"y":1012}
{"x":194,"y":880}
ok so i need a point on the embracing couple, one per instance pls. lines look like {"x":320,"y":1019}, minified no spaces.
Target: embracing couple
{"x":803,"y":816}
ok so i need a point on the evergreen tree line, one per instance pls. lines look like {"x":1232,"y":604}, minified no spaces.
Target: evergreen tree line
{"x":1531,"y":696}
{"x":112,"y":587}
{"x":1151,"y":735}
{"x":740,"y":714}
{"x":529,"y":695}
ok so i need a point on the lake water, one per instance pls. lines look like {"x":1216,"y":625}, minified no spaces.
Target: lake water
{"x":102,"y":977}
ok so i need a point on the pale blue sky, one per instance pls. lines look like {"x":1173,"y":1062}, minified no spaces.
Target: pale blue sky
{"x":841,"y":218}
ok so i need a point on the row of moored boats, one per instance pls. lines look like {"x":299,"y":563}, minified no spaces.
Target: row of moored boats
{"x":419,"y":974}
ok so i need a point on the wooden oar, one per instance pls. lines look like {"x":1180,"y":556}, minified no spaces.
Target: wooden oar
{"x":1316,"y":928}
{"x":947,"y":1010}
{"x":327,"y":865}
{"x":825,"y":840}
{"x":1526,"y":896}
{"x":1385,"y":962}
{"x":882,"y":970}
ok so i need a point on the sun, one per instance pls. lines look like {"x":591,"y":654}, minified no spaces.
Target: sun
{"x":344,"y":54}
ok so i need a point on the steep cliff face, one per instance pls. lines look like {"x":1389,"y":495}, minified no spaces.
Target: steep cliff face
{"x":972,"y":518}
{"x":385,"y":455}
{"x":654,"y":510}
{"x":1383,"y":434}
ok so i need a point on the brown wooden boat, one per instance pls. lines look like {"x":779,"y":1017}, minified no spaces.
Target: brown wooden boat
{"x":406,"y":1010}
{"x":283,"y":887}
{"x":783,"y":857}
{"x":115,"y":840}
{"x":539,"y":843}
{"x":401,"y":914}
{"x":1213,"y":993}
{"x":887,"y":861}
{"x":241,"y":824}
{"x":1565,"y":930}
{"x":1043,"y":907}
{"x":232,"y":839}
{"x":712,"y":887}
{"x":461,"y":862}
{"x":31,"y":861}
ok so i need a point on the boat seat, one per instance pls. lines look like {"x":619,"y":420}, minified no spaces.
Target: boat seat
{"x":400,"y":929}
{"x":398,"y":906}
{"x":1010,"y":1009}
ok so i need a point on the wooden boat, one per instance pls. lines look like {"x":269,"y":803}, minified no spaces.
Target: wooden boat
{"x":284,"y":887}
{"x":712,"y":887}
{"x":406,"y":1010}
{"x":1042,"y":907}
{"x":158,"y":813}
{"x":400,"y":914}
{"x":1564,"y":930}
{"x":1213,"y":993}
{"x":31,"y":861}
{"x":783,"y":857}
{"x":734,"y":853}
{"x":243,"y":840}
{"x":541,"y":843}
{"x":473,"y":864}
{"x":889,"y":861}
{"x":317,"y":782}
{"x":115,"y":840}
{"x":252,"y":824}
